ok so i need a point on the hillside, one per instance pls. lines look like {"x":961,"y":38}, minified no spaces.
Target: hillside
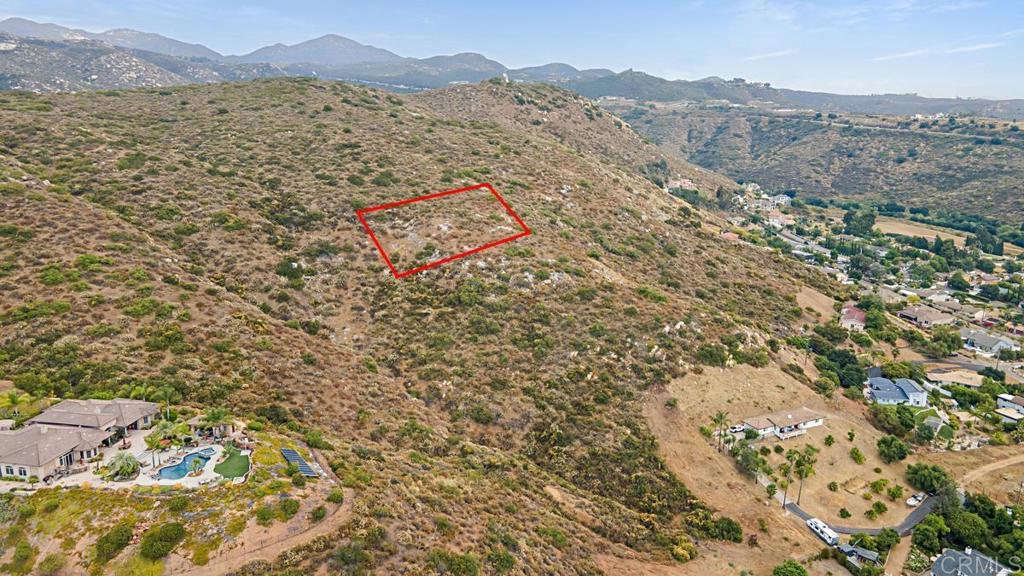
{"x":204,"y":237}
{"x":640,"y":86}
{"x":972,"y":166}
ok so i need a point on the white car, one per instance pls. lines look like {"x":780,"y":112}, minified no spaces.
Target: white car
{"x":737,"y":428}
{"x":916,"y":499}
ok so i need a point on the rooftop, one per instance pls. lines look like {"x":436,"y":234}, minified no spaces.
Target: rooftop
{"x":783,"y":418}
{"x":966,"y":563}
{"x":1009,"y":413}
{"x":38,"y":444}
{"x":961,"y":377}
{"x":96,"y":413}
{"x":900,"y":390}
{"x":925,"y":313}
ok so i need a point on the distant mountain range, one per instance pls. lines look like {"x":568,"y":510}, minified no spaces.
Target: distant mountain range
{"x":49,"y":57}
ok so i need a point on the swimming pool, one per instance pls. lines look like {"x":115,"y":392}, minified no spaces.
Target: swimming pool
{"x":182,"y":468}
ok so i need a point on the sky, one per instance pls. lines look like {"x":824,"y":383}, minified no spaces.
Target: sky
{"x":965,"y":48}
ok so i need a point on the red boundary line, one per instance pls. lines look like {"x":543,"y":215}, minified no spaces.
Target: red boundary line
{"x":361,"y":214}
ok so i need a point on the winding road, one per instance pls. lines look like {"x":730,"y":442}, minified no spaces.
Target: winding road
{"x":917,"y":514}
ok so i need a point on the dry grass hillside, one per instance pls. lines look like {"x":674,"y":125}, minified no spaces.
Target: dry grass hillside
{"x":205,"y":237}
{"x":968,"y":165}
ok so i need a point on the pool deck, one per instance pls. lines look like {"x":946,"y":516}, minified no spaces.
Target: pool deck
{"x":148,"y":477}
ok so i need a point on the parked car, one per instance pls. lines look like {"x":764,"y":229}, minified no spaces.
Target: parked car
{"x":737,"y":428}
{"x":916,"y":499}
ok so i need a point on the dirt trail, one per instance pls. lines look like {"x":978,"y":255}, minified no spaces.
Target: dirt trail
{"x":989,"y":468}
{"x":241,"y":555}
{"x":898,"y":556}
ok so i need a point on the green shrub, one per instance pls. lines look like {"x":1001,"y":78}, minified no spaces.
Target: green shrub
{"x":52,"y":564}
{"x":288,"y":507}
{"x":160,"y":540}
{"x":265,"y":515}
{"x":178,"y":503}
{"x":110,"y":544}
{"x":337,"y":496}
{"x":501,"y":561}
{"x":452,"y":563}
{"x":318,"y":514}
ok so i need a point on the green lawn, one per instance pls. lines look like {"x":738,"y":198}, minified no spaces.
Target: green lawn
{"x":924,"y":413}
{"x":234,"y":466}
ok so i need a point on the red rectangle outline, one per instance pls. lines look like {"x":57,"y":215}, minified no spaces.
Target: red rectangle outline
{"x":360,"y":213}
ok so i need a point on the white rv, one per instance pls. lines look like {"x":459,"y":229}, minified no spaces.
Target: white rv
{"x":823,"y":531}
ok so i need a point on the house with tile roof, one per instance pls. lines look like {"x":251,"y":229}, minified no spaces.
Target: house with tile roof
{"x":70,"y":433}
{"x":40,"y":450}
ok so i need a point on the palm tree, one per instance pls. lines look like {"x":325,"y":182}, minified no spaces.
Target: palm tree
{"x":141,"y":392}
{"x":805,"y":467}
{"x":720,"y":419}
{"x":154,"y":440}
{"x":123,"y":465}
{"x":14,"y":399}
{"x":195,"y":465}
{"x":215,"y":418}
{"x":786,"y":469}
{"x":166,"y":394}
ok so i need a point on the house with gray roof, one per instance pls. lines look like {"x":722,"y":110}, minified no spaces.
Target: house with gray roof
{"x":40,"y":450}
{"x":859,"y":556}
{"x":925,"y":317}
{"x":71,"y":432}
{"x":986,"y":344}
{"x":967,"y":563}
{"x":902,"y":391}
{"x":100,"y":414}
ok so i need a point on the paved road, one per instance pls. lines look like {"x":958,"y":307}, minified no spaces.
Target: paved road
{"x":975,"y":365}
{"x":903,"y":528}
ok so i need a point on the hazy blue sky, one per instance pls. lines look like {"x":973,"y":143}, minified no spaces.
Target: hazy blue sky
{"x":932,"y":47}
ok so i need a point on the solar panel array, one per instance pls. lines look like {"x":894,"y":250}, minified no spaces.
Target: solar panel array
{"x":293,"y":457}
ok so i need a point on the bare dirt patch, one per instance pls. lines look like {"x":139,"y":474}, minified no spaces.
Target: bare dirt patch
{"x":995,"y":471}
{"x":817,"y":307}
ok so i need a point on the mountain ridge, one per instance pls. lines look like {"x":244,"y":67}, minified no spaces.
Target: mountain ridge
{"x":332,"y":56}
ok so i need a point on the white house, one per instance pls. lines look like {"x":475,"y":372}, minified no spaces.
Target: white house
{"x":1010,"y":408}
{"x":902,"y":391}
{"x":785,"y":423}
{"x":853,"y":318}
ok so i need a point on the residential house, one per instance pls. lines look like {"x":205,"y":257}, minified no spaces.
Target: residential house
{"x":925,"y":317}
{"x":777,"y":219}
{"x":785,"y":423}
{"x":946,"y":303}
{"x":859,"y":556}
{"x":902,"y":391}
{"x":967,"y":563}
{"x":120,"y":413}
{"x":40,"y":450}
{"x":71,"y":432}
{"x":853,"y":318}
{"x":1010,"y":403}
{"x":965,"y":378}
{"x":986,"y":344}
{"x":684,"y":183}
{"x":1009,"y":415}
